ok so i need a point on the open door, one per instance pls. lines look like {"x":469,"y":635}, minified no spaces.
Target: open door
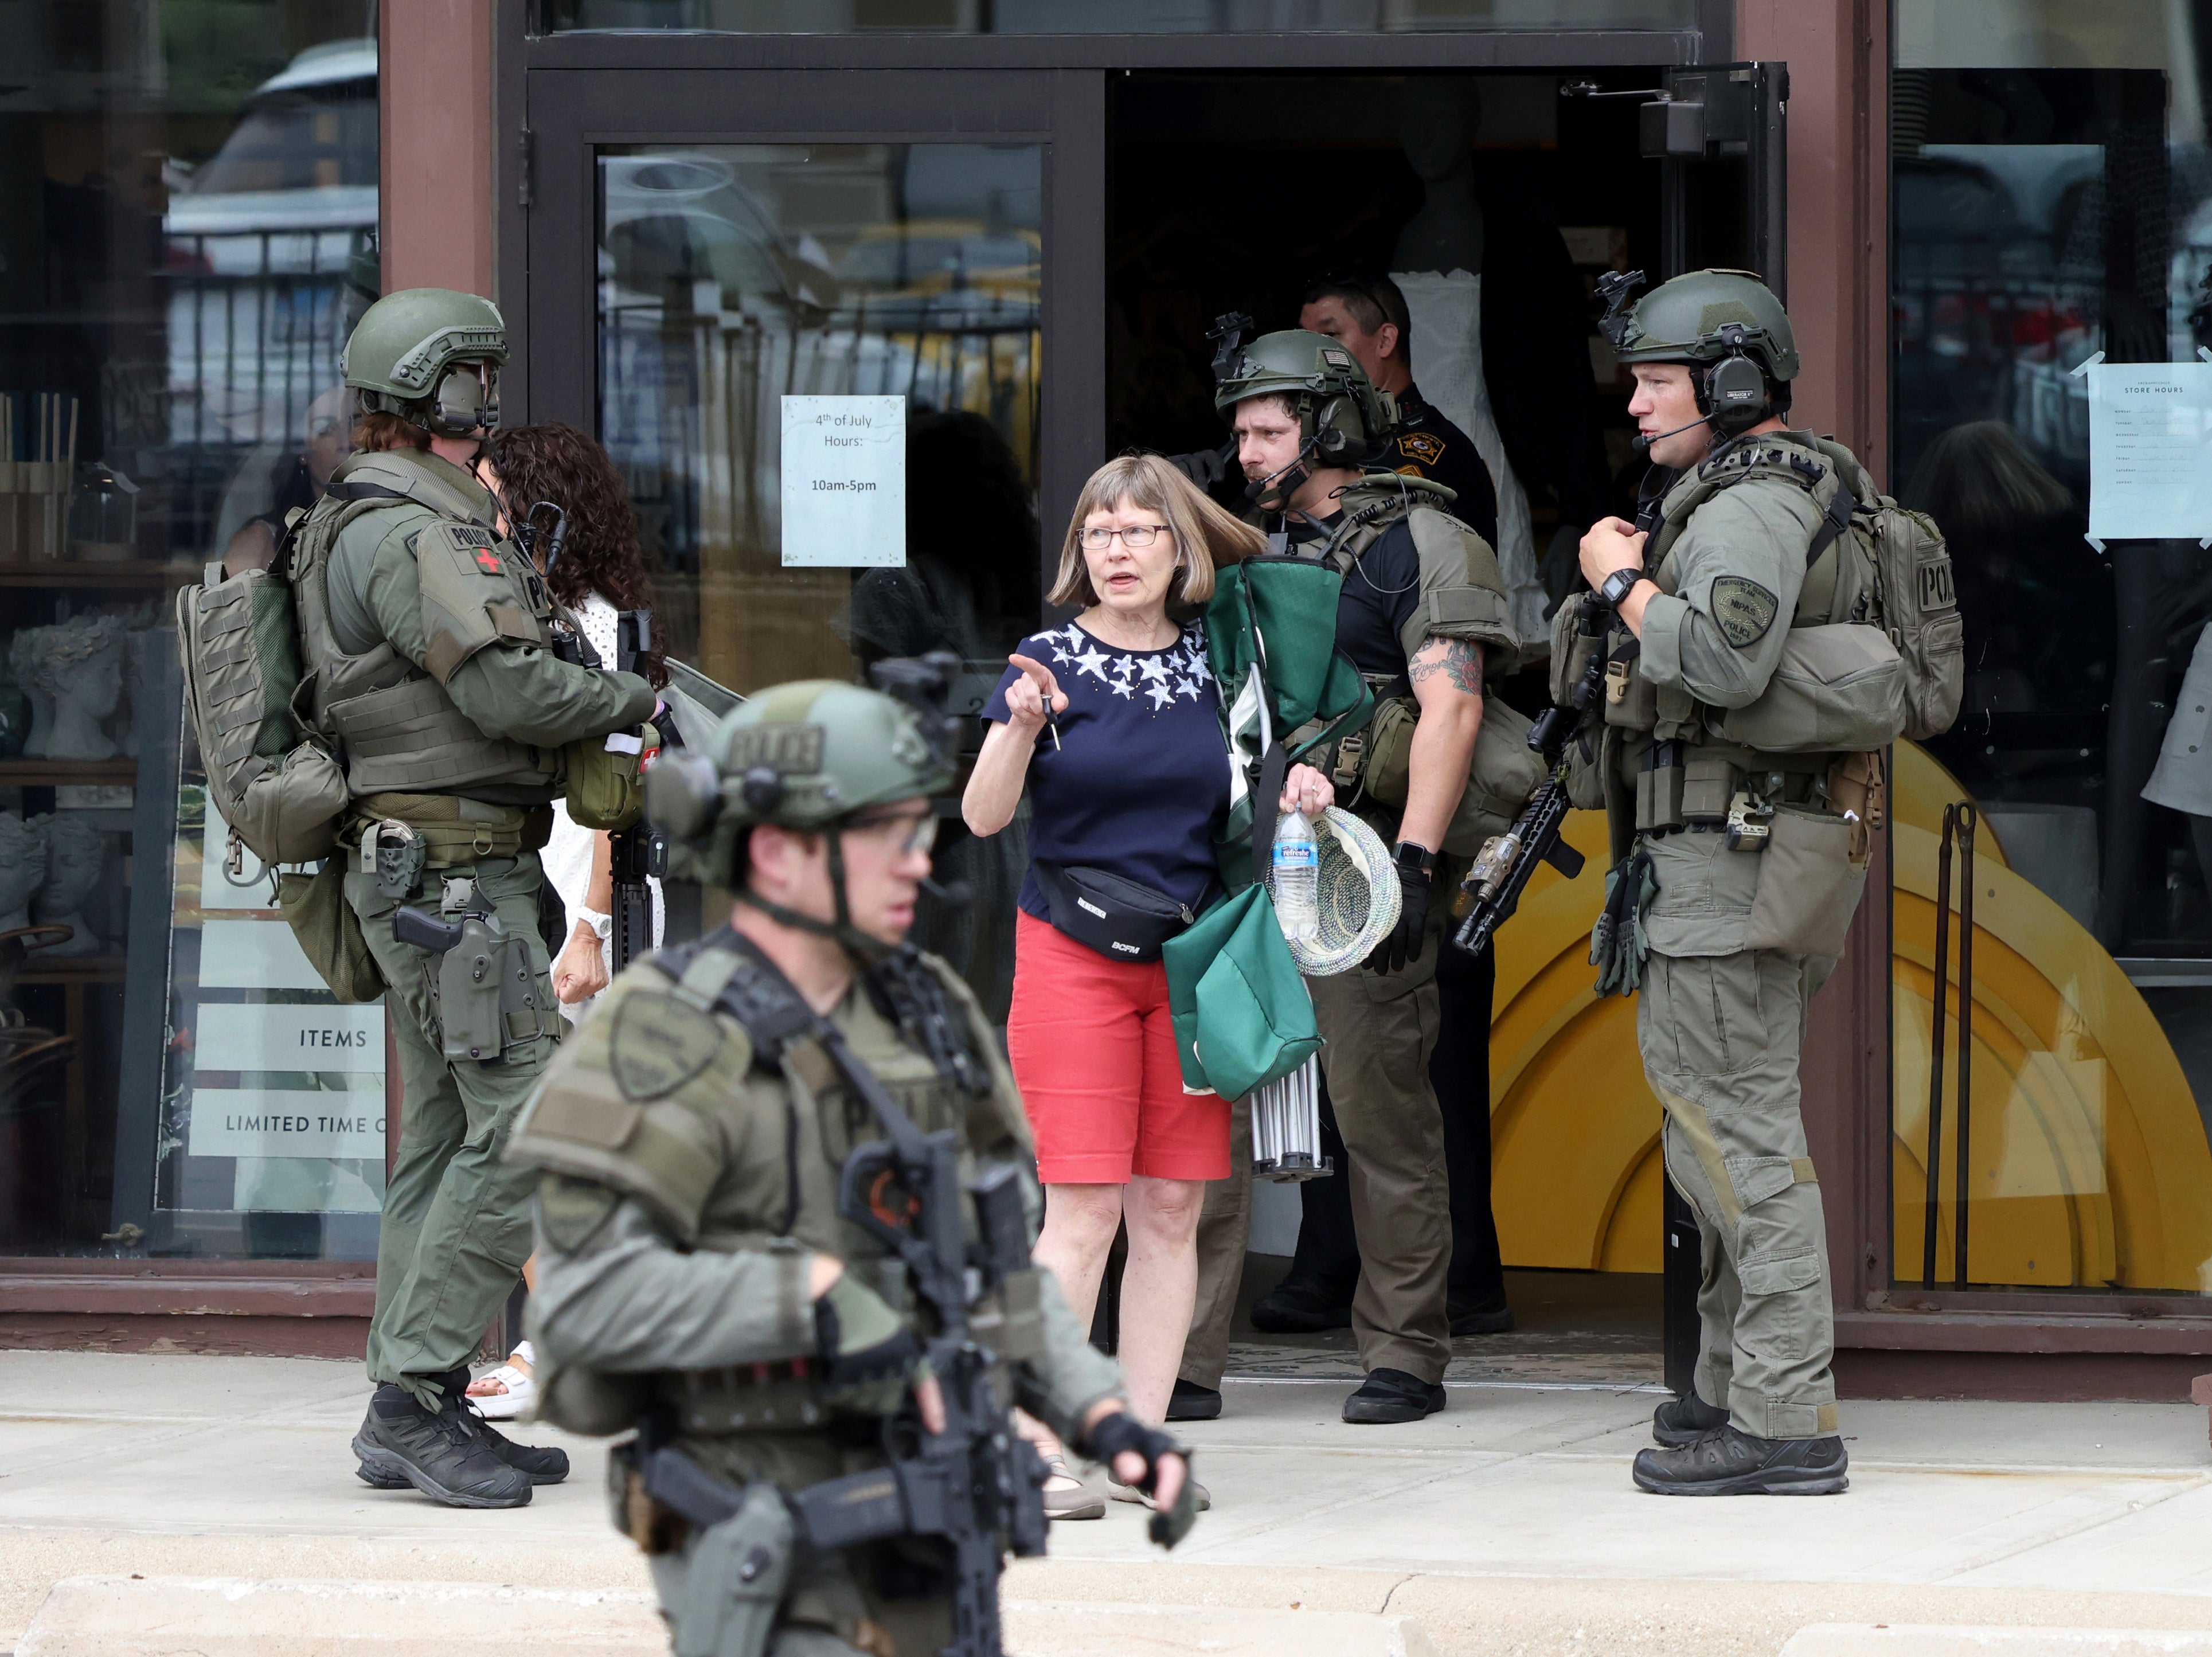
{"x":1719,"y":136}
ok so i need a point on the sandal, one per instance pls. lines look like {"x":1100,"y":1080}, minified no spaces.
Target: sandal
{"x":1073,"y":1499}
{"x":517,"y":1389}
{"x":1121,"y":1492}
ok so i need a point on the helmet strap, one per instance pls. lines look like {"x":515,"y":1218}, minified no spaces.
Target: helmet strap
{"x":865,"y":951}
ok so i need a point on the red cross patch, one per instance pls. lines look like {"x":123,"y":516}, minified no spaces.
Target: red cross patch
{"x":488,"y":562}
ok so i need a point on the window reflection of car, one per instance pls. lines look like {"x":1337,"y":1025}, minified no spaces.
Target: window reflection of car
{"x":679,"y":227}
{"x":295,"y":183}
{"x":943,"y":273}
{"x":258,"y":243}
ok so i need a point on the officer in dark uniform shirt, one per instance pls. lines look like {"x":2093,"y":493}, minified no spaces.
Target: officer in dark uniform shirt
{"x":1369,"y":315}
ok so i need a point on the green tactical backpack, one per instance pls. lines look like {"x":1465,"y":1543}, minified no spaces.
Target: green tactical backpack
{"x":1286,"y":690}
{"x":277,"y":786}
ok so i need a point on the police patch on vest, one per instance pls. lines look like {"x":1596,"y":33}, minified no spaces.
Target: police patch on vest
{"x":1744,"y":608}
{"x":1425,"y":447}
{"x":781,"y":747}
{"x":466,"y":536}
{"x":658,"y":1044}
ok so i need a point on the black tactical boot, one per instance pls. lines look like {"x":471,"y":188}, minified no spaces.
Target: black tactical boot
{"x":1682,"y":1421}
{"x":438,"y":1453}
{"x":1467,"y":1318}
{"x":1191,"y":1402}
{"x":1731,"y":1463}
{"x":1391,"y":1396}
{"x":1302,"y":1306}
{"x":544,"y":1464}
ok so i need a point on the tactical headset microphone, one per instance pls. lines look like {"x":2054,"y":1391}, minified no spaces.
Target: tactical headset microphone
{"x":1641,"y":444}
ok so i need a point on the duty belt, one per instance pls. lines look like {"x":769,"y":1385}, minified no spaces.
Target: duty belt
{"x":454,"y":831}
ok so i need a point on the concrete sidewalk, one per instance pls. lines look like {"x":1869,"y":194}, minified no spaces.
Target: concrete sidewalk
{"x":1507,"y":1524}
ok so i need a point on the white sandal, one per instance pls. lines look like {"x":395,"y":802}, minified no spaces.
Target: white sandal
{"x":1076,"y":1501}
{"x":519,"y":1389}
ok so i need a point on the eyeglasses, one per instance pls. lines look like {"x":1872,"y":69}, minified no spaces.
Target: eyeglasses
{"x":921,"y":831}
{"x":1136,"y":537}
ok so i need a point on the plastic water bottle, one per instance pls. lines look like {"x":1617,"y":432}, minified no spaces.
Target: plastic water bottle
{"x":1295,"y":884}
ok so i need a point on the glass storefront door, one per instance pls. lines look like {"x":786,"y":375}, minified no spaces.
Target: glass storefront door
{"x":819,"y":359}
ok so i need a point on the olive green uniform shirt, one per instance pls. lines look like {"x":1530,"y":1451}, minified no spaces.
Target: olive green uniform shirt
{"x":686,"y":1187}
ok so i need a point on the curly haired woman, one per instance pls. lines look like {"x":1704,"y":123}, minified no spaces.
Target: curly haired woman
{"x":600,"y":572}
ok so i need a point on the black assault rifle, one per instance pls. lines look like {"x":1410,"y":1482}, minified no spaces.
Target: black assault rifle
{"x":1502,"y":867}
{"x":641,"y":850}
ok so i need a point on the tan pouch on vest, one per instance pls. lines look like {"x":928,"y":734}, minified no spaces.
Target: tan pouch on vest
{"x":1837,"y":690}
{"x":1502,"y":776}
{"x":1808,"y":885}
{"x":606,"y":777}
{"x":315,"y":908}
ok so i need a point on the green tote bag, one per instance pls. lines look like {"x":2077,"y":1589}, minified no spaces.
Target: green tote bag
{"x":1241,"y":1014}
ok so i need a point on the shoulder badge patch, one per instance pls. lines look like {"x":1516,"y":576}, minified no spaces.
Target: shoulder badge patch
{"x":1744,"y":610}
{"x":1425,"y":448}
{"x":658,"y":1044}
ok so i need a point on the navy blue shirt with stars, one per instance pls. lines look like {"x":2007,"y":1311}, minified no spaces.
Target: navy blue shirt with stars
{"x":1139,"y":783}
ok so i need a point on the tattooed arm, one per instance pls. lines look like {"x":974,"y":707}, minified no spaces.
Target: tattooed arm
{"x":1447,"y":677}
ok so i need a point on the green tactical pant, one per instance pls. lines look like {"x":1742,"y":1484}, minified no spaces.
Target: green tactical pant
{"x":822,"y":1605}
{"x":456,"y":1226}
{"x":1381,"y":1029}
{"x":1224,"y":1229}
{"x":1720,"y":1037}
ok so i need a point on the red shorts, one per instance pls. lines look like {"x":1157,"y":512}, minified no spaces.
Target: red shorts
{"x":1094,"y":1053}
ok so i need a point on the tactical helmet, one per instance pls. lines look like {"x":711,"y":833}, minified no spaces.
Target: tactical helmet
{"x":805,"y":755}
{"x":430,"y":356}
{"x":1685,"y":320}
{"x":1341,"y":416}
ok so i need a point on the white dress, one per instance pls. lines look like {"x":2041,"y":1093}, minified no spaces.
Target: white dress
{"x":1445,"y":308}
{"x":568,"y":856}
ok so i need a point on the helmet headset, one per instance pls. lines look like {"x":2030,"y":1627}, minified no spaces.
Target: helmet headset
{"x":1731,"y":371}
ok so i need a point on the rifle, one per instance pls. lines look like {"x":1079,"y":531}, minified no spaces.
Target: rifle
{"x":639,"y":851}
{"x":1502,"y":869}
{"x":975,"y":1484}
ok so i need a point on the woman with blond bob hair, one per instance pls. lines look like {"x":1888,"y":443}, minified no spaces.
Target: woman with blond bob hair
{"x":1111,"y":725}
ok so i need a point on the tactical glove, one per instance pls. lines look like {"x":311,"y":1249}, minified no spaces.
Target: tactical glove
{"x":1204,"y":467}
{"x":1123,"y":1431}
{"x":868,"y":1354}
{"x":1401,"y":945}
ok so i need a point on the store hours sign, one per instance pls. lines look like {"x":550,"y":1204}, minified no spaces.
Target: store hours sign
{"x":844,"y":483}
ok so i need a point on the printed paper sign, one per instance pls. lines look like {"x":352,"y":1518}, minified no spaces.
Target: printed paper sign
{"x":2150,"y":450}
{"x":844,"y":483}
{"x":287,"y":1122}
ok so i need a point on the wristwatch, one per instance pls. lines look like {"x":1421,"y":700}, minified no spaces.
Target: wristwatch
{"x":602,"y":924}
{"x":1411,"y":855}
{"x":1618,"y":586}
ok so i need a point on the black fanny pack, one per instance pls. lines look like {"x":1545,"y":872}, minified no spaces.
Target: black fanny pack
{"x":1123,"y":920}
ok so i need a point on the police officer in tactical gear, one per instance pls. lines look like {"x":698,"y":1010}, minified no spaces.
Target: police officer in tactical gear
{"x":702,"y":1274}
{"x":428,"y":641}
{"x":1739,"y":935}
{"x":1423,"y":615}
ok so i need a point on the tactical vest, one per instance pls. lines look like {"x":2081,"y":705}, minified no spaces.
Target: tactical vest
{"x":1855,"y":671}
{"x":1374,"y":764}
{"x":393,"y":725}
{"x":737,"y":1141}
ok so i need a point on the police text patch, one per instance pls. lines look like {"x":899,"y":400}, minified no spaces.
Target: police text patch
{"x":658,"y":1044}
{"x":1744,"y":610}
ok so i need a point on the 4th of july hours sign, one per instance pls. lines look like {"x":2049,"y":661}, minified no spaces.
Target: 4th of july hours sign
{"x":844,"y":483}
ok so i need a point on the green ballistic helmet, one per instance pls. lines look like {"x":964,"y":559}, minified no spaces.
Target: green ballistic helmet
{"x":432,"y":356}
{"x":1701,"y":317}
{"x":805,"y":755}
{"x":1342,"y":418}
